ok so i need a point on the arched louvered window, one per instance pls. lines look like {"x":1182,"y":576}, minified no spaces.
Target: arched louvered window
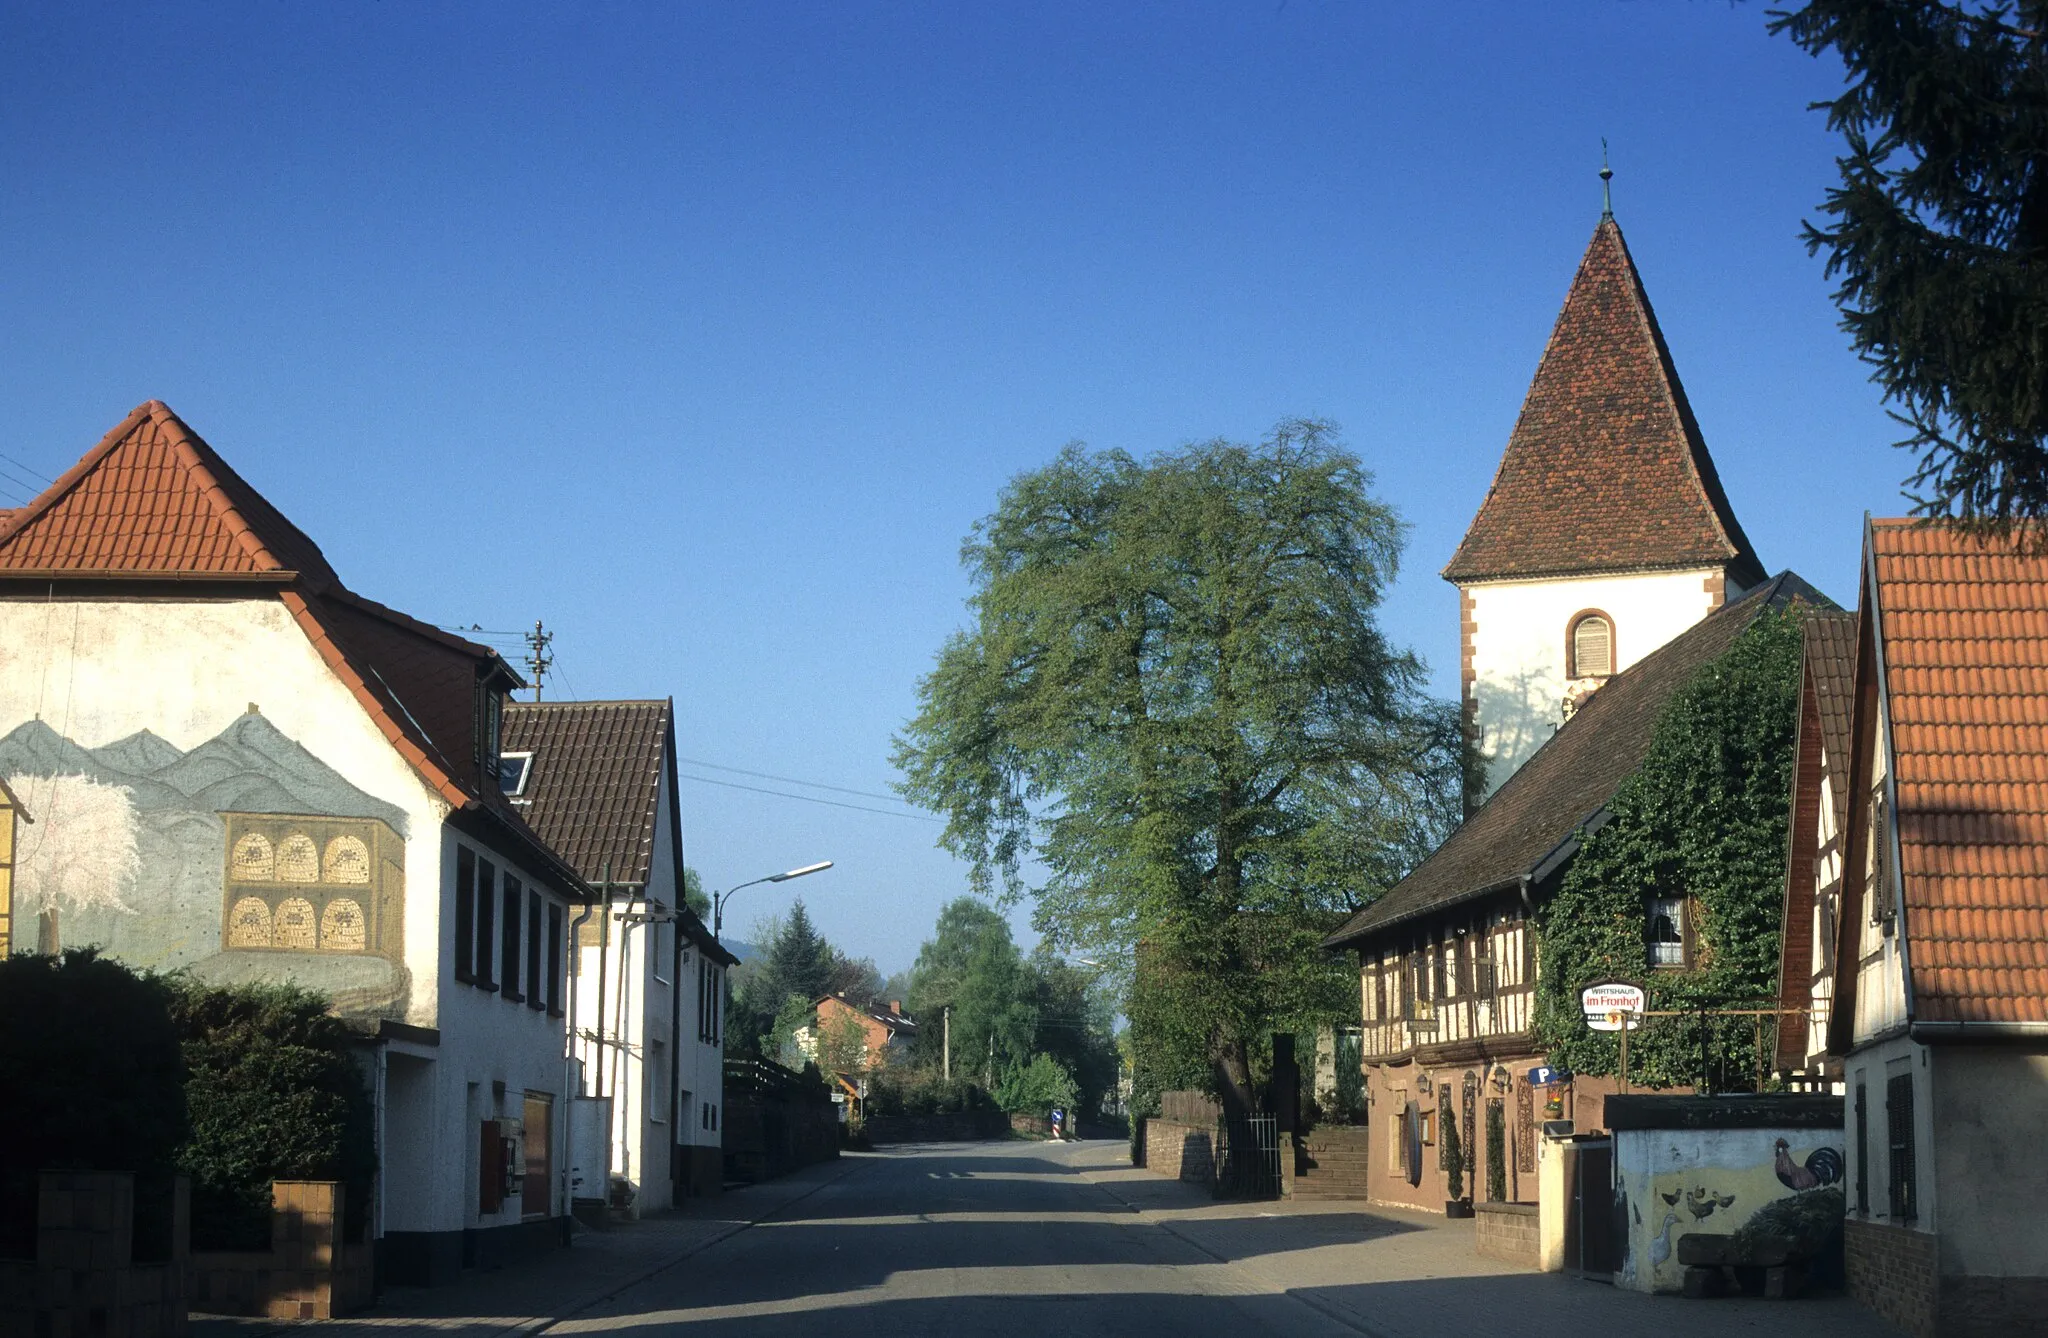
{"x":1592,"y":646}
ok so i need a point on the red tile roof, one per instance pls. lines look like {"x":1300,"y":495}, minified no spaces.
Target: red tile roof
{"x":153,"y":502}
{"x":1963,"y":621}
{"x":1605,"y":470}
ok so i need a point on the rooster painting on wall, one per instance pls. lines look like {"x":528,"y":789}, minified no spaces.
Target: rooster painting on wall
{"x":1823,"y":1167}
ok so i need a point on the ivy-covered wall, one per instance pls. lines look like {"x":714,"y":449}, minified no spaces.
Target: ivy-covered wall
{"x":1703,"y":818}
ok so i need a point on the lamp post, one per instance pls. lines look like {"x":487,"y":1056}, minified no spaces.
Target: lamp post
{"x":718,"y":900}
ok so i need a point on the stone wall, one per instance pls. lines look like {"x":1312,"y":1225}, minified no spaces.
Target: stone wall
{"x":1895,"y":1272}
{"x":1181,"y":1151}
{"x":1334,"y":1161}
{"x":1507,"y":1232}
{"x":972,"y":1126}
{"x":309,"y":1271}
{"x":85,"y":1279}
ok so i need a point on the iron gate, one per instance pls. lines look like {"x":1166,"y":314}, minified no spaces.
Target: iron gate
{"x":1248,"y":1157}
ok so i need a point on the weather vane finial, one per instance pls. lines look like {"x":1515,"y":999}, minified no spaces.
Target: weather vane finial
{"x":1606,"y":176}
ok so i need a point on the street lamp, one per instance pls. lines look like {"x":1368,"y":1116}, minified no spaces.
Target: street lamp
{"x":718,"y":900}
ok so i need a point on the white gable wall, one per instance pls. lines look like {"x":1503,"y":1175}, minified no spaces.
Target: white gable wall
{"x":1517,"y":646}
{"x":96,"y":671}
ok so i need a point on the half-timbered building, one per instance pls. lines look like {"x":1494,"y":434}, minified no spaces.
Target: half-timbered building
{"x":1448,"y":959}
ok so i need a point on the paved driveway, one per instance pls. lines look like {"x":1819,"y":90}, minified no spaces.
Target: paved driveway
{"x":1050,"y":1241}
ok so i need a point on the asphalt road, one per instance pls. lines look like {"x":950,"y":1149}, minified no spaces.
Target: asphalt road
{"x":975,"y":1239}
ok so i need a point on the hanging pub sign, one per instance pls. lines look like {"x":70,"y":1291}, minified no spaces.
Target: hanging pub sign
{"x":1608,"y":1005}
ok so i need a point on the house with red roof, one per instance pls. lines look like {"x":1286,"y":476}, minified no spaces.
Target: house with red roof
{"x":240,"y":767}
{"x":597,"y":780}
{"x":1937,"y":1022}
{"x":1605,"y":532}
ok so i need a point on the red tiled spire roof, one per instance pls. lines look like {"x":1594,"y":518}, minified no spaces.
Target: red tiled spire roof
{"x":1605,"y":470}
{"x":1963,"y":627}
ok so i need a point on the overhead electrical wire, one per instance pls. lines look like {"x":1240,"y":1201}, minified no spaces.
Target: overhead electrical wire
{"x":808,"y":799}
{"x":486,"y":636}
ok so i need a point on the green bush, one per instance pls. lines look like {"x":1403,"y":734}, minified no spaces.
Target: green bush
{"x":275,"y":1093}
{"x":89,"y":1065}
{"x":1040,"y":1086}
{"x":901,"y":1091}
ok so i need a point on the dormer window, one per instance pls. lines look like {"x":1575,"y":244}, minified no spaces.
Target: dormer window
{"x":513,"y":771}
{"x":1591,"y":643}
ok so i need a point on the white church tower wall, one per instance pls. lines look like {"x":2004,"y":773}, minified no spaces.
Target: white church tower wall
{"x":1605,"y":532}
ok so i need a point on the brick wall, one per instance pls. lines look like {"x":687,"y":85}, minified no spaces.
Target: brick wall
{"x":309,"y":1271}
{"x":1508,"y":1232}
{"x":1181,"y":1151}
{"x":1335,"y":1162}
{"x":1895,"y":1272}
{"x":84,"y":1279}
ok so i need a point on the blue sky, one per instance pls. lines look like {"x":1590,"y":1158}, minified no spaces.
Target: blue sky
{"x":704,"y":333}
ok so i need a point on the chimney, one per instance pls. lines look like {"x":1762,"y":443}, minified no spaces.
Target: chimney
{"x":896,"y":1007}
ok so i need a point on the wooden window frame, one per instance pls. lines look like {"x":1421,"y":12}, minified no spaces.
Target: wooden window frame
{"x":1571,"y":644}
{"x":510,"y":928}
{"x":486,"y":977}
{"x":465,"y":914}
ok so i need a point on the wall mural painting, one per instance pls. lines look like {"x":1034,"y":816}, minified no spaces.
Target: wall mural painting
{"x":1753,"y":1185}
{"x":245,"y":858}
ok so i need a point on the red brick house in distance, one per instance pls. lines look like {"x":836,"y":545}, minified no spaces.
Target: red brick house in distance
{"x":886,"y":1034}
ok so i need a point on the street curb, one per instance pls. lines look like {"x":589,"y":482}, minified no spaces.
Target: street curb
{"x":1344,"y":1315}
{"x":541,"y":1324}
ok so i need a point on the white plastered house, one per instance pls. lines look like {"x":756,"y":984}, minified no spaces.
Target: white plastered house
{"x":237,"y":765}
{"x":597,"y":780}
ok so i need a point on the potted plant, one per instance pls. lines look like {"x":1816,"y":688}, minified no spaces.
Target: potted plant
{"x":1454,"y":1154}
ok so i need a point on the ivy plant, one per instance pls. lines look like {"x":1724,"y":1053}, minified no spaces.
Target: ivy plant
{"x":1703,"y":818}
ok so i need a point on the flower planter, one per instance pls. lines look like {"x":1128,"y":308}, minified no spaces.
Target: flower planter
{"x":1457,"y":1208}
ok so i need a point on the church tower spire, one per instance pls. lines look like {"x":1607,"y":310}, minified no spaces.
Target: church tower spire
{"x":1606,"y":531}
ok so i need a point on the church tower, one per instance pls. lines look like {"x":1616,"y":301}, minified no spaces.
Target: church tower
{"x":1605,"y":532}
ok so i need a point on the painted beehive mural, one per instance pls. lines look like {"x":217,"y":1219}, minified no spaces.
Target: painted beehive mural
{"x":244,"y":858}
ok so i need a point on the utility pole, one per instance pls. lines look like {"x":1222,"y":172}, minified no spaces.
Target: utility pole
{"x":537,"y":658}
{"x":947,"y":1059}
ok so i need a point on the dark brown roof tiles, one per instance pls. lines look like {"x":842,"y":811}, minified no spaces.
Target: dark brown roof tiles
{"x":1606,"y":469}
{"x":594,"y":788}
{"x":1572,"y":776}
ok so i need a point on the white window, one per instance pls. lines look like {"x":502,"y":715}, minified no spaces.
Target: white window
{"x":513,"y":770}
{"x":1667,"y":931}
{"x":1592,"y":646}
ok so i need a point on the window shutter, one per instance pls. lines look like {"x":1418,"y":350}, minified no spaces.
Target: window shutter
{"x":1898,"y":1117}
{"x":1592,"y":648}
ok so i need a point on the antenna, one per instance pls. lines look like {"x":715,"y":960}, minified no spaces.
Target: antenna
{"x":1606,"y":176}
{"x":537,"y":658}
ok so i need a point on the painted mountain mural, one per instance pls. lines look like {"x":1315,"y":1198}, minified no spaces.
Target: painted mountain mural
{"x":129,"y":850}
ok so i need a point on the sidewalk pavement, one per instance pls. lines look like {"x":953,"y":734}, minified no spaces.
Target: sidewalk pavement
{"x":1391,"y":1273}
{"x":531,"y":1295}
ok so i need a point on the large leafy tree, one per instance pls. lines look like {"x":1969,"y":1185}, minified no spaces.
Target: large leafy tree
{"x":1176,"y":701}
{"x":1939,"y":233}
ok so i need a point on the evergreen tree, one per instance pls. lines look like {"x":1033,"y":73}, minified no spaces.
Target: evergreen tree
{"x":801,"y":961}
{"x":1939,"y":234}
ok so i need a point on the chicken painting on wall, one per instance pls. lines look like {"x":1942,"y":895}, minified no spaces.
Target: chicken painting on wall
{"x":1823,"y":1166}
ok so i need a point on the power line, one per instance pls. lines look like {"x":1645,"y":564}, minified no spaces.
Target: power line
{"x":808,"y":799}
{"x":789,"y":780}
{"x":32,"y":473}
